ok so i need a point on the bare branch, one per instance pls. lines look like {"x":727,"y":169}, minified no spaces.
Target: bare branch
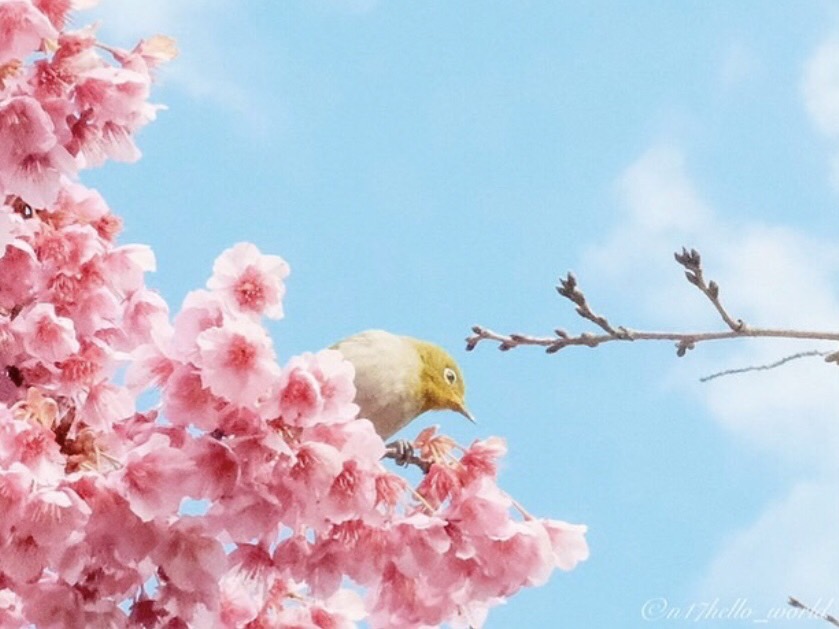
{"x":684,"y":341}
{"x":794,"y":602}
{"x":777,"y":363}
{"x":692,"y":262}
{"x":568,"y":289}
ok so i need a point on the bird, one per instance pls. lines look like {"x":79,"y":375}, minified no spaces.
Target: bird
{"x":398,"y":378}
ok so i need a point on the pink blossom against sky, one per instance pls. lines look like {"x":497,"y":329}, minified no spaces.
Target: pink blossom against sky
{"x":96,"y":481}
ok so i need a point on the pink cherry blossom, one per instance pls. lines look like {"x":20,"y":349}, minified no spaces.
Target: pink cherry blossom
{"x":249,"y":281}
{"x":54,"y":518}
{"x":214,"y":469}
{"x":316,"y":466}
{"x":186,"y":400}
{"x":125,"y":268}
{"x":438,"y":484}
{"x":240,"y":493}
{"x":356,"y":439}
{"x":55,"y":603}
{"x":12,"y":228}
{"x":106,"y":402}
{"x":389,"y":489}
{"x":192,"y":560}
{"x":31,"y":160}
{"x":149,"y":367}
{"x":151,"y":52}
{"x":18,"y":263}
{"x":16,"y":484}
{"x":238,"y":602}
{"x":23,"y":560}
{"x":152,"y":477}
{"x":317,"y":386}
{"x":145,"y":316}
{"x":117,"y":535}
{"x":353,"y":491}
{"x":237,"y":362}
{"x":300,"y":397}
{"x":55,"y":10}
{"x":86,"y":206}
{"x":45,"y":336}
{"x":22,"y":29}
{"x":25,"y":126}
{"x":568,"y":542}
{"x":11,"y":608}
{"x":432,"y":446}
{"x":86,"y":366}
{"x":201,"y":311}
{"x":35,"y":447}
{"x":481,"y":459}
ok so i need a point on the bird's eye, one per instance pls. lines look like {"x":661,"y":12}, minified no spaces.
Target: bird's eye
{"x":449,"y":375}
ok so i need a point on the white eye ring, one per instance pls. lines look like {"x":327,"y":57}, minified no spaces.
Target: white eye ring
{"x":449,"y":375}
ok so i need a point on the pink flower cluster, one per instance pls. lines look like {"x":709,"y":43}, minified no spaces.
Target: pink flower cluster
{"x":68,"y":108}
{"x":250,"y":495}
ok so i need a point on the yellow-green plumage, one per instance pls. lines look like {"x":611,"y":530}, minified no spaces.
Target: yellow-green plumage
{"x":398,"y":378}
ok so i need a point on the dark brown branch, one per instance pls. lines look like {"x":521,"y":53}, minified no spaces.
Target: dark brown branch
{"x":684,"y":341}
{"x":63,"y":427}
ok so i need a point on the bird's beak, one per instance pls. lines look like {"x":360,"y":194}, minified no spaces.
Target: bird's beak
{"x":466,"y":413}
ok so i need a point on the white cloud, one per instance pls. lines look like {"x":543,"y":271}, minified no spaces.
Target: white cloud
{"x":820,"y":90}
{"x":769,"y":276}
{"x":790,"y":550}
{"x":820,"y":87}
{"x":134,"y":19}
{"x":659,"y":196}
{"x":661,"y":211}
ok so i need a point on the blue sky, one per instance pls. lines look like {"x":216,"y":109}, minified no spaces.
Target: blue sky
{"x":426,"y":166}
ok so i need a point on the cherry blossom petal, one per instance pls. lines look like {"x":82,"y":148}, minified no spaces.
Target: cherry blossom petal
{"x":22,"y":29}
{"x":249,"y":281}
{"x":45,"y":336}
{"x":568,"y":542}
{"x":151,"y":478}
{"x":192,"y":560}
{"x":237,"y":362}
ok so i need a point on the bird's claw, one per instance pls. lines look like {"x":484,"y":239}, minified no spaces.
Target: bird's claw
{"x":402,"y":451}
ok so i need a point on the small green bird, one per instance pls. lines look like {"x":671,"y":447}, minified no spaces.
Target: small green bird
{"x":398,"y":378}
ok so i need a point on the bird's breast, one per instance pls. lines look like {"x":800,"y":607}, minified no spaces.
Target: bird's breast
{"x":387,"y":372}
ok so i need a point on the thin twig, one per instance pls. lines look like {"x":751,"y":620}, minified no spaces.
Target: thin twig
{"x":692,"y":262}
{"x":794,"y":602}
{"x":684,"y":341}
{"x":568,"y":289}
{"x":777,"y":363}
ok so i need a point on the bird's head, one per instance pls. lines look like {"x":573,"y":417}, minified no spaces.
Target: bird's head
{"x":441,"y":385}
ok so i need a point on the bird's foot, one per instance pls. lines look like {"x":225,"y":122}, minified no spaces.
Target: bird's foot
{"x":402,"y":451}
